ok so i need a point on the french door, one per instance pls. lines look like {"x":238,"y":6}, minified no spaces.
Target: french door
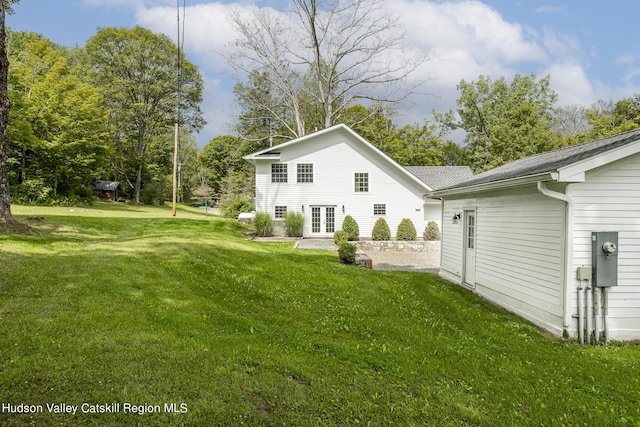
{"x":323,"y":221}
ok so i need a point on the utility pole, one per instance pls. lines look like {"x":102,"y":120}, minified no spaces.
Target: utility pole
{"x":175,"y":144}
{"x":175,"y":163}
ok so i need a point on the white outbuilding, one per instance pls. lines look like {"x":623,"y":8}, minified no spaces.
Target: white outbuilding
{"x":553,"y":237}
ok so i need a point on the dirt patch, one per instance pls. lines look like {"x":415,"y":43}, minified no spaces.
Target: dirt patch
{"x":35,"y":219}
{"x":15,"y":227}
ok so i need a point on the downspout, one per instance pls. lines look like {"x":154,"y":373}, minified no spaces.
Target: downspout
{"x":542,"y":188}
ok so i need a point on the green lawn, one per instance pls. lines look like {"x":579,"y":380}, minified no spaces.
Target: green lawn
{"x":129,"y":306}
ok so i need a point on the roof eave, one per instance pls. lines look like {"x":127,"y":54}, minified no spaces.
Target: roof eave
{"x":496,"y":185}
{"x":575,"y":172}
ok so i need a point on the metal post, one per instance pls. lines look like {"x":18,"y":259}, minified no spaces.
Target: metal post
{"x":175,"y":174}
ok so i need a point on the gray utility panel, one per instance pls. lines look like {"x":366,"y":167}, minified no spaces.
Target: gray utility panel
{"x":604,"y":247}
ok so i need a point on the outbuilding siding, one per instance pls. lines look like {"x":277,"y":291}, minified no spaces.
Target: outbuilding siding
{"x":609,"y":200}
{"x":534,"y":220}
{"x":519,"y":256}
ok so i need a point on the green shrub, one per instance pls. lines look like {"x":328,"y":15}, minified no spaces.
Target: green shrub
{"x":350,"y":226}
{"x":264,"y":224}
{"x":234,"y":207}
{"x":406,"y":230}
{"x":294,"y":224}
{"x":347,"y":252}
{"x":381,"y":230}
{"x":31,"y":191}
{"x":431,"y":231}
{"x":340,"y":236}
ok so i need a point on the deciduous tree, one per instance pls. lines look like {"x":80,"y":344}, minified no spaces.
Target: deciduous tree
{"x":606,"y":118}
{"x":144,"y":89}
{"x":57,"y":134}
{"x":504,"y":121}
{"x":350,"y":49}
{"x":5,"y":195}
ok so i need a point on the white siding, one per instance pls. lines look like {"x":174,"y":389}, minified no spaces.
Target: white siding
{"x":336,"y":157}
{"x":519,"y":252}
{"x":609,"y":200}
{"x":452,"y":243}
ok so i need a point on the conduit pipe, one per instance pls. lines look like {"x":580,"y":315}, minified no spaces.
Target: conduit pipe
{"x":581,"y":313}
{"x":589,"y":314}
{"x":597,"y":307}
{"x":605,"y":303}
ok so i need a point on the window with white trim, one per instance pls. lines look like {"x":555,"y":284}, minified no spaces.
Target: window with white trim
{"x":281,"y":212}
{"x":278,"y":172}
{"x":379,"y":209}
{"x":305,"y":172}
{"x":361,"y":181}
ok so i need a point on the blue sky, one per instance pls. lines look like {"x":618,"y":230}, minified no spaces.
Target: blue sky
{"x":589,"y":47}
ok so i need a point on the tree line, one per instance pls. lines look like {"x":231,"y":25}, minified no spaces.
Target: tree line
{"x":105,"y":111}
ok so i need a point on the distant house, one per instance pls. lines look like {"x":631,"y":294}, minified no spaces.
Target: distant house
{"x":535,"y":235}
{"x":107,"y":190}
{"x":335,"y":172}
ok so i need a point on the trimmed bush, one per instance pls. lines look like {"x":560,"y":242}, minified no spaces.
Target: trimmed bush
{"x":340,"y":236}
{"x":264,"y":224}
{"x":233,"y":207}
{"x":294,"y":224}
{"x":381,"y":230}
{"x":406,"y":230}
{"x":351,"y":227}
{"x":431,"y":231}
{"x":347,"y":252}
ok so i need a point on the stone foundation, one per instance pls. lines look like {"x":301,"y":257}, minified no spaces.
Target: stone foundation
{"x":363,"y":260}
{"x":412,"y":255}
{"x":398,"y":245}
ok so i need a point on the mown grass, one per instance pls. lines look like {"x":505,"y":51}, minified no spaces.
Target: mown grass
{"x":146,"y":309}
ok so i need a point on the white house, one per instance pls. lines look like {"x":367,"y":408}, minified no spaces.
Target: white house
{"x":519,"y":235}
{"x":335,"y":172}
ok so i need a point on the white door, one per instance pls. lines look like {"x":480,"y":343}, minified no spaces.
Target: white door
{"x":469,"y":248}
{"x":323,"y":221}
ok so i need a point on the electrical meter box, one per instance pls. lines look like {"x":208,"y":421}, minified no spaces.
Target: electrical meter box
{"x":604,"y":247}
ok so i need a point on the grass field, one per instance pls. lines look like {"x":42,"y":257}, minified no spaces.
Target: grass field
{"x":128,"y":310}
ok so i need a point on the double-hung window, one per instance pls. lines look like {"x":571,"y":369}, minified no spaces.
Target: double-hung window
{"x":278,"y":172}
{"x":379,"y":209}
{"x":280,"y":211}
{"x":305,"y":172}
{"x":361,"y":182}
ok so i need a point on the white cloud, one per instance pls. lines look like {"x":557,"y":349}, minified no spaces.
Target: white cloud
{"x":560,"y":45}
{"x":626,"y":59}
{"x":207,"y":30}
{"x":571,"y":84}
{"x":128,"y":3}
{"x":551,"y":9}
{"x":465,"y":39}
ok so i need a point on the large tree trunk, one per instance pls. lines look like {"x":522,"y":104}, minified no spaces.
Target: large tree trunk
{"x":140,"y":151}
{"x":5,"y":198}
{"x":136,"y":196}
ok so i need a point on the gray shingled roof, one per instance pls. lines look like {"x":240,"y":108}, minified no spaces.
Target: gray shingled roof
{"x":107,"y":185}
{"x":437,"y":177}
{"x":550,"y":161}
